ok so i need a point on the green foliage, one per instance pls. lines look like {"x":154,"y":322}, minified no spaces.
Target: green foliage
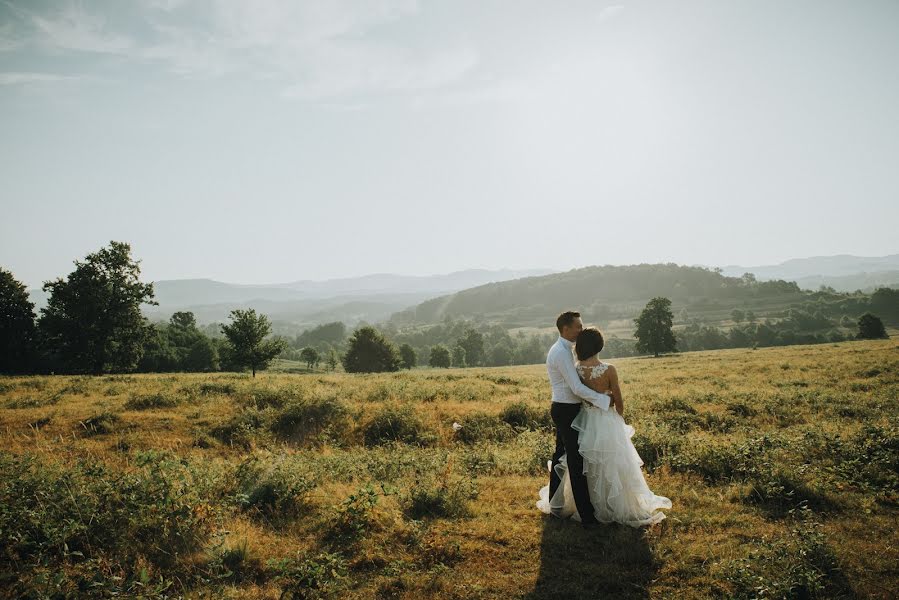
{"x":397,"y":424}
{"x":521,"y":415}
{"x":272,"y":488}
{"x":370,"y":352}
{"x":653,"y":333}
{"x":17,"y":330}
{"x":458,"y":357}
{"x":407,"y":355}
{"x":447,"y":498}
{"x":353,"y":517}
{"x":473,"y":344}
{"x":92,"y":322}
{"x":310,"y":356}
{"x":149,"y":401}
{"x":440,"y":357}
{"x":871,"y":327}
{"x":479,"y":427}
{"x":313,"y":578}
{"x":313,"y":420}
{"x":246,"y":336}
{"x":74,"y":524}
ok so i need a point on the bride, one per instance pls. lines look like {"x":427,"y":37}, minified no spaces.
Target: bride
{"x":618,"y":490}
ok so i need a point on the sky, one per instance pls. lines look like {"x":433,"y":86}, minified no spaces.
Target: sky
{"x":278,"y":140}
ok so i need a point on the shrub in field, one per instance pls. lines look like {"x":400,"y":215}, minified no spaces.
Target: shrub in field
{"x":150,"y":401}
{"x":269,"y":397}
{"x":100,"y":423}
{"x":445,"y":496}
{"x":241,"y":429}
{"x":72,"y":524}
{"x":312,"y":419}
{"x":272,"y":488}
{"x":397,"y":424}
{"x":869,"y":459}
{"x":309,"y":578}
{"x":480,"y":427}
{"x":212,"y":387}
{"x":801,"y":566}
{"x":524,"y":416}
{"x":353,"y":517}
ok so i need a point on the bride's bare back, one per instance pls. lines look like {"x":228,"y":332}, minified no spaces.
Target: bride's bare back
{"x":603,"y":378}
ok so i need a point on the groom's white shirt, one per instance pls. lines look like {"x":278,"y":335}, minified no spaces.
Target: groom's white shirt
{"x":567,"y":386}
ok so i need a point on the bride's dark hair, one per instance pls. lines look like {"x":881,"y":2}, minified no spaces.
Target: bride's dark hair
{"x":589,"y":343}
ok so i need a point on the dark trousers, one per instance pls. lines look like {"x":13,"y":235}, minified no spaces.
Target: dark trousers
{"x":566,"y":443}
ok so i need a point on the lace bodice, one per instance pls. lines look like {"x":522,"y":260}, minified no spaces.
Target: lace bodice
{"x":593,"y":372}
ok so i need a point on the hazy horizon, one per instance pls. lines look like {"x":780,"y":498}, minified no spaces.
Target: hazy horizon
{"x":270,"y":142}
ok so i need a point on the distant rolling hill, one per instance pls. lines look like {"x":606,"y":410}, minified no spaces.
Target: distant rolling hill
{"x":843,"y":272}
{"x":304,"y":303}
{"x":603,"y":294}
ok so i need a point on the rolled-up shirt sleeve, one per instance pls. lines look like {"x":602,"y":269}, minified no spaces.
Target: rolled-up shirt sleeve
{"x":566,"y":367}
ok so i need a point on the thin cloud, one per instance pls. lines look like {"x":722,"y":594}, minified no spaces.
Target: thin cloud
{"x":14,"y":78}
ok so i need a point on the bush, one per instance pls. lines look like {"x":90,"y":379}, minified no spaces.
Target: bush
{"x":313,"y":420}
{"x":448,"y":498}
{"x":480,"y":427}
{"x":397,"y":424}
{"x":55,"y":515}
{"x":522,"y":416}
{"x":100,"y":424}
{"x":319,"y":576}
{"x":272,"y":489}
{"x":241,"y":429}
{"x":149,"y":401}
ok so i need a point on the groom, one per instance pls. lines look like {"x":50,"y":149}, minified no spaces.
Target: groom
{"x":568,"y":390}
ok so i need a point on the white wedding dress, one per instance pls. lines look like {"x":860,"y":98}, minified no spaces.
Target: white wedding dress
{"x":618,"y":490}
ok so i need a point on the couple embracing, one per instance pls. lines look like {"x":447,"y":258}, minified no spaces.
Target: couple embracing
{"x":595,"y":474}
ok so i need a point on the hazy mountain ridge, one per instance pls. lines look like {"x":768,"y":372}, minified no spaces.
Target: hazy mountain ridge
{"x":840,"y":265}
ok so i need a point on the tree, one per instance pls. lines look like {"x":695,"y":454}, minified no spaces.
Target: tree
{"x":750,"y":316}
{"x":246,"y":337}
{"x":92,"y":320}
{"x":501,"y":355}
{"x":201,"y":356}
{"x":737,"y":315}
{"x":370,"y":352}
{"x":407,"y":355}
{"x":459,"y":357}
{"x":473,"y":343}
{"x":332,"y":360}
{"x":17,"y":332}
{"x":310,"y":357}
{"x":440,"y":356}
{"x":871,"y":327}
{"x":654,"y":332}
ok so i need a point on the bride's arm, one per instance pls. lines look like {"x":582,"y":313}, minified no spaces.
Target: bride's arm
{"x":616,"y":390}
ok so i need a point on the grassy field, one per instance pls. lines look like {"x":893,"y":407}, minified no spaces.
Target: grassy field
{"x":781,"y":464}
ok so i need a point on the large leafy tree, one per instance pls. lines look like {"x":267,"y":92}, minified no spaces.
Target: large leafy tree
{"x":246,"y":337}
{"x":870,"y":327}
{"x":92,"y":322}
{"x":473,"y":343}
{"x":407,"y":355}
{"x":654,"y":324}
{"x":17,"y":332}
{"x":370,"y":352}
{"x":439,"y":357}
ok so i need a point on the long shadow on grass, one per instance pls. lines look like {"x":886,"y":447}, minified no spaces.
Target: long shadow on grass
{"x":611,"y":561}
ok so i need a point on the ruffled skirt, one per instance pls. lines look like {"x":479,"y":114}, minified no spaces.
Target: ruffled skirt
{"x":618,"y":489}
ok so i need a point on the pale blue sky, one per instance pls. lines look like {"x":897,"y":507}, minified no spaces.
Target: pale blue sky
{"x":270,"y":141}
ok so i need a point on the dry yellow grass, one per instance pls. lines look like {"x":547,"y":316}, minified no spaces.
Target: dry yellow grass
{"x":729,"y":532}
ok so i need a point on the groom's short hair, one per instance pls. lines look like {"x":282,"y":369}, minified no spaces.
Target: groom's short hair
{"x":566,"y":319}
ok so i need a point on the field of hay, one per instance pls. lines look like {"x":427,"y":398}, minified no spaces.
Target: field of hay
{"x":782,"y":465}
